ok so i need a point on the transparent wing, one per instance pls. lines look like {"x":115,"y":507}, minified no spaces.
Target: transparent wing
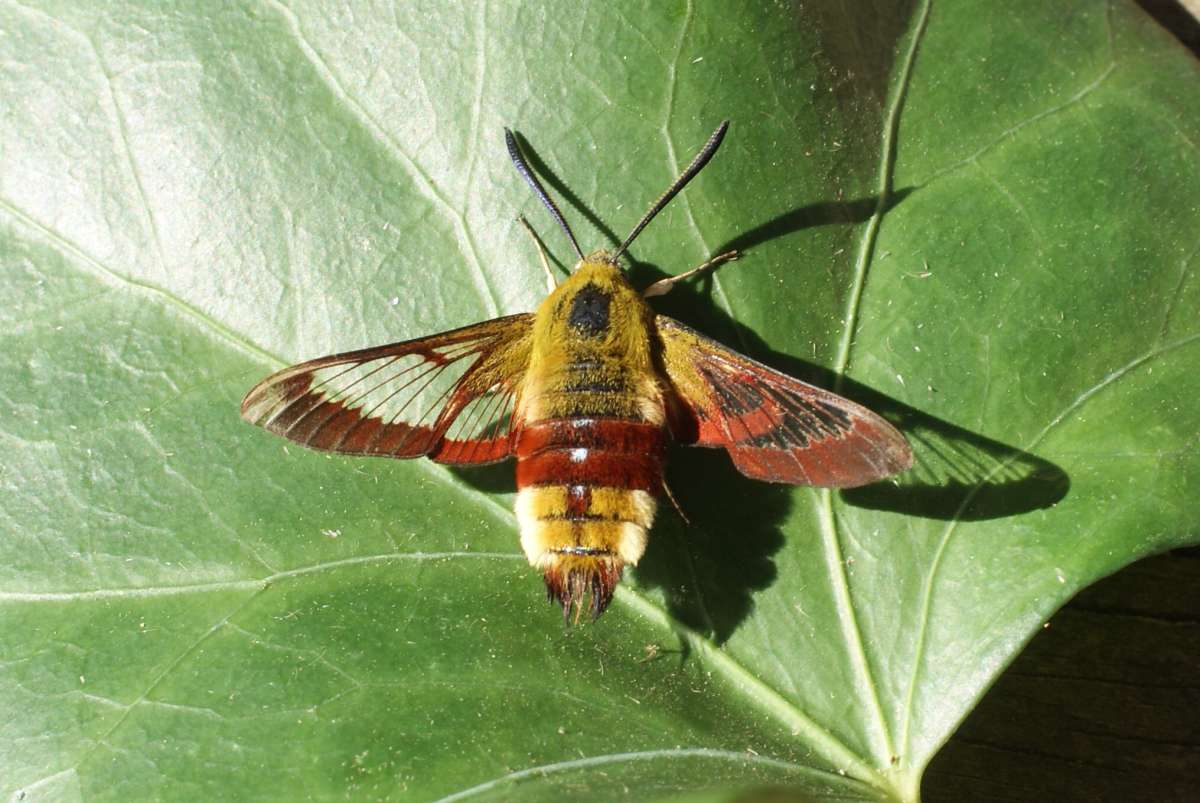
{"x":449,"y":396}
{"x":775,"y":428}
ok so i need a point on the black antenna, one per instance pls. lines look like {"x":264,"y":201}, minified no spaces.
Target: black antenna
{"x":518,"y":161}
{"x":687,"y":175}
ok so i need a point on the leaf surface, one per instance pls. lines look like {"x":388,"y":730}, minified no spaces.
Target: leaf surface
{"x":978,"y":220}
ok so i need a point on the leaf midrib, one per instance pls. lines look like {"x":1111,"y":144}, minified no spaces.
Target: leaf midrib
{"x":851,"y":631}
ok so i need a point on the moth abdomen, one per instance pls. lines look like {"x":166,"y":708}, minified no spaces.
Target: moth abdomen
{"x":585,"y":500}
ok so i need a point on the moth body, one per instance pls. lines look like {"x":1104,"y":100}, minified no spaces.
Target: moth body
{"x":591,"y":444}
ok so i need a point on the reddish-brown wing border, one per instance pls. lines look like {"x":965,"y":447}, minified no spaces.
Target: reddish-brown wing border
{"x":489,"y":359}
{"x":775,"y":428}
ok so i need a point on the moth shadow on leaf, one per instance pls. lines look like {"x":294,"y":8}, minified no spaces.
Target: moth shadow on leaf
{"x":807,"y":216}
{"x":492,"y":478}
{"x":709,"y":567}
{"x":958,"y":474}
{"x":709,"y":570}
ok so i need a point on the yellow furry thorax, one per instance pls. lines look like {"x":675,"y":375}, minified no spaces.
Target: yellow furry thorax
{"x":593,"y":331}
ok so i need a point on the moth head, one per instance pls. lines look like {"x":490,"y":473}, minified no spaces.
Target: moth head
{"x":697,"y":163}
{"x":596,"y":304}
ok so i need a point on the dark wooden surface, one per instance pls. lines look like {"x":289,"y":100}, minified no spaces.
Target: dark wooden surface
{"x":1103,"y":705}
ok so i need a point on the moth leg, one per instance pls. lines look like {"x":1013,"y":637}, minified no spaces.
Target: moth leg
{"x":551,"y":282}
{"x":663,"y":286}
{"x":674,"y":504}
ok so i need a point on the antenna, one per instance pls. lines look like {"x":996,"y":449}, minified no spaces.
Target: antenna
{"x":687,"y":175}
{"x":518,"y":161}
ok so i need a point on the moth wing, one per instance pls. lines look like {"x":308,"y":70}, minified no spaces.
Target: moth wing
{"x":775,"y":428}
{"x":450,"y":396}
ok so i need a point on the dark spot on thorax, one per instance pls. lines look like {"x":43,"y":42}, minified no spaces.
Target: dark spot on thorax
{"x":589,"y":311}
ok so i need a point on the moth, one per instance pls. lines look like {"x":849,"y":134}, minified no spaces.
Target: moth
{"x":585,"y":393}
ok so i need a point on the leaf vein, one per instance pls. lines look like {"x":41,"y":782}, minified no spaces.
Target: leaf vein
{"x":544,"y":770}
{"x":134,"y":170}
{"x":673,"y":158}
{"x":421,"y":180}
{"x":1012,"y":131}
{"x":259,"y":584}
{"x":1173,"y":302}
{"x":96,"y":268}
{"x":102,"y":740}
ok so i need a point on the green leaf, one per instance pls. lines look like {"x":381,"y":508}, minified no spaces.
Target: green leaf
{"x":982,"y":215}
